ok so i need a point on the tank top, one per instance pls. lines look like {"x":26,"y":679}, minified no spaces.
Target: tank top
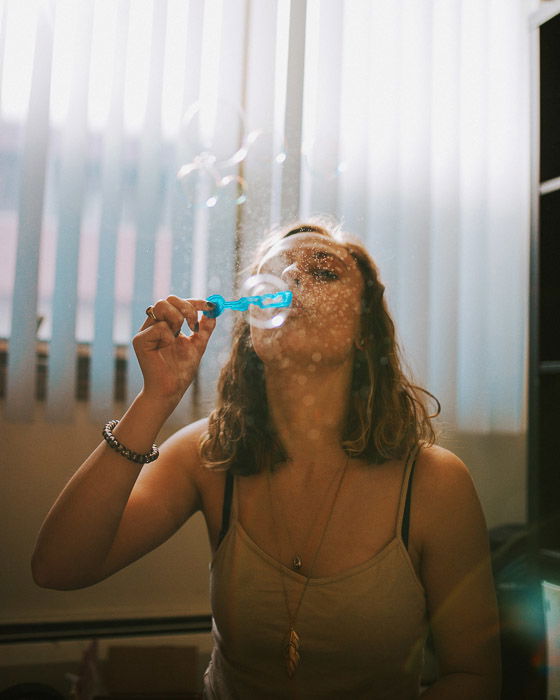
{"x":362,"y":630}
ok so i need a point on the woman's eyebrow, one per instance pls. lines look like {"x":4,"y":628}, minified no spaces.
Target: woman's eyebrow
{"x":323,"y":254}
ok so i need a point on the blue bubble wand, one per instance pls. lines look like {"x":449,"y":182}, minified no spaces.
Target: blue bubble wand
{"x":275,"y":300}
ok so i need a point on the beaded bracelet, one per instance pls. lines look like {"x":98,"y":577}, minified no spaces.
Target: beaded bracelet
{"x":124,"y":451}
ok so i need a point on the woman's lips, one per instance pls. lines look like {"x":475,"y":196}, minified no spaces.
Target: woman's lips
{"x":296,"y":306}
{"x":296,"y":299}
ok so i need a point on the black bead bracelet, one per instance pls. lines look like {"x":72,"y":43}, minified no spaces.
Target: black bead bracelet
{"x":124,"y":451}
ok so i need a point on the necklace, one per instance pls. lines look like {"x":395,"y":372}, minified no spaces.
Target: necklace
{"x":297,"y":559}
{"x":292,"y":646}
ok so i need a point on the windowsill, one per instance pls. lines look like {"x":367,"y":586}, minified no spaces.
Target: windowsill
{"x":83,"y":362}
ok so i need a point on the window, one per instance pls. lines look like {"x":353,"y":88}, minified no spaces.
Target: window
{"x":408,"y":121}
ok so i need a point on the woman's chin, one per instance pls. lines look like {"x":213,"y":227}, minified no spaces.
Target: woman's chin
{"x":304,"y":349}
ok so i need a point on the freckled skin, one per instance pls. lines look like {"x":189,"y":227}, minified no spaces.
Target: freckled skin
{"x":325,"y":318}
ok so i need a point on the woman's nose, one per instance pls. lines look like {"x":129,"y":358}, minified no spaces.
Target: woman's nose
{"x":292,"y":275}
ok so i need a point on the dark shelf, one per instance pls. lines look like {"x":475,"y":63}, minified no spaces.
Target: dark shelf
{"x":87,"y":629}
{"x":549,"y":267}
{"x":550,"y":99}
{"x":544,"y":400}
{"x":550,"y":367}
{"x":548,"y":467}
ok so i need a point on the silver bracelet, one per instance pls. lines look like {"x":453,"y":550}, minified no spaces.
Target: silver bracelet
{"x":124,"y":451}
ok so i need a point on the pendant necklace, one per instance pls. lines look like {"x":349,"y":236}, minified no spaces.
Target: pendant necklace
{"x":297,"y":559}
{"x":292,"y":646}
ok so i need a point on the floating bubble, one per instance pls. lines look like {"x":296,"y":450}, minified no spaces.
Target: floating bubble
{"x":200,"y":181}
{"x":210,"y":174}
{"x":219,"y":129}
{"x":271,"y":317}
{"x":211,"y":127}
{"x":204,"y":186}
{"x":317,"y":163}
{"x":207,"y":133}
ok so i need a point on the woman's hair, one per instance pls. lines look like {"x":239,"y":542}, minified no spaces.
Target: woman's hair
{"x":387,"y":413}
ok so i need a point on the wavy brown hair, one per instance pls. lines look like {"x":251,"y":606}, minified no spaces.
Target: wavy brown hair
{"x":388,"y":414}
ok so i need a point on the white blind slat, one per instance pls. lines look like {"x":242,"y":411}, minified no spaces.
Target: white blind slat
{"x":355,"y":117}
{"x":322,"y":141}
{"x":62,"y":355}
{"x":291,"y":174}
{"x":149,"y":191}
{"x":219,"y":240}
{"x":413,"y":294}
{"x":472,"y":385}
{"x":507,"y":237}
{"x":22,"y":348}
{"x":182,"y":215}
{"x":102,"y":350}
{"x":3,"y":16}
{"x":257,"y":169}
{"x":382,"y":143}
{"x":445,"y":204}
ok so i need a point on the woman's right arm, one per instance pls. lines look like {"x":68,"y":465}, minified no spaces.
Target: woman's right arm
{"x":114,"y":510}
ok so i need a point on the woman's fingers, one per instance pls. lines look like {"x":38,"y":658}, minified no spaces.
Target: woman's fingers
{"x":174,"y":311}
{"x":205,"y":328}
{"x":153,"y":336}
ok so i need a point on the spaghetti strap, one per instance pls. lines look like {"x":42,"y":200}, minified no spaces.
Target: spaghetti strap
{"x":227,"y":506}
{"x":403,"y":515}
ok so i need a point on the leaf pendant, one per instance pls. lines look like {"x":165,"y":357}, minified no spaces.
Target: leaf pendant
{"x":292,"y":652}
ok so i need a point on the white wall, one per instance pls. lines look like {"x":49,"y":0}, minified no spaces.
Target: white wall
{"x":36,"y":461}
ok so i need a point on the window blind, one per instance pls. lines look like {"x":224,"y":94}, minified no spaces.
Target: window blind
{"x":407,"y":121}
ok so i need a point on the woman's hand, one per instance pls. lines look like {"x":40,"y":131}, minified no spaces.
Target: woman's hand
{"x":168,"y":358}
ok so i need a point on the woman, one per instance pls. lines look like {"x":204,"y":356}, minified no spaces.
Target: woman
{"x":339,"y":530}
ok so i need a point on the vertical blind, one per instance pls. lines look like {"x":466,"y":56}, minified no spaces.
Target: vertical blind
{"x":407,"y":121}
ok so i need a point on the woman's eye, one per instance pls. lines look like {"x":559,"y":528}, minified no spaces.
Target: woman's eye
{"x":324,"y":274}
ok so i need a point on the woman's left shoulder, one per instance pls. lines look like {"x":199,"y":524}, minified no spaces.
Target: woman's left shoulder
{"x":443,"y":483}
{"x":437,"y":463}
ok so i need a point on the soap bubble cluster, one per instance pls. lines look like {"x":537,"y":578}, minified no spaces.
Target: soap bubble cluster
{"x":211,"y":175}
{"x":206,"y":185}
{"x":212,"y":171}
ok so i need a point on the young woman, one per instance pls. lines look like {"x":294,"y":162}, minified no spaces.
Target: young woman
{"x":340,"y":532}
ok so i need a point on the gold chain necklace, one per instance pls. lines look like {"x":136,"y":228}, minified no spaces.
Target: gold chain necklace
{"x":297,"y":559}
{"x":292,"y":654}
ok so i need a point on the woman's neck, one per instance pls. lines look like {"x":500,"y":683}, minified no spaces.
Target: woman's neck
{"x":308,"y":407}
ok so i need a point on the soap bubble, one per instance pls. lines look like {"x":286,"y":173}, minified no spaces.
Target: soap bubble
{"x":265,"y":284}
{"x":317,"y":163}
{"x":211,"y":171}
{"x":205,"y":125}
{"x":200,"y":181}
{"x":204,"y":185}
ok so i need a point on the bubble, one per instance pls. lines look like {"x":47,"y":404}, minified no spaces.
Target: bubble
{"x":204,"y":186}
{"x":200,"y":181}
{"x":210,"y":174}
{"x":265,"y":284}
{"x":316,"y":162}
{"x":204,"y":126}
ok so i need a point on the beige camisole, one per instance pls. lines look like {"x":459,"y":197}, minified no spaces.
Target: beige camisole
{"x":362,"y":631}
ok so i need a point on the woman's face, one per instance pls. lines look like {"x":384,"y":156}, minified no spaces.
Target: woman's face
{"x":327,"y":287}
